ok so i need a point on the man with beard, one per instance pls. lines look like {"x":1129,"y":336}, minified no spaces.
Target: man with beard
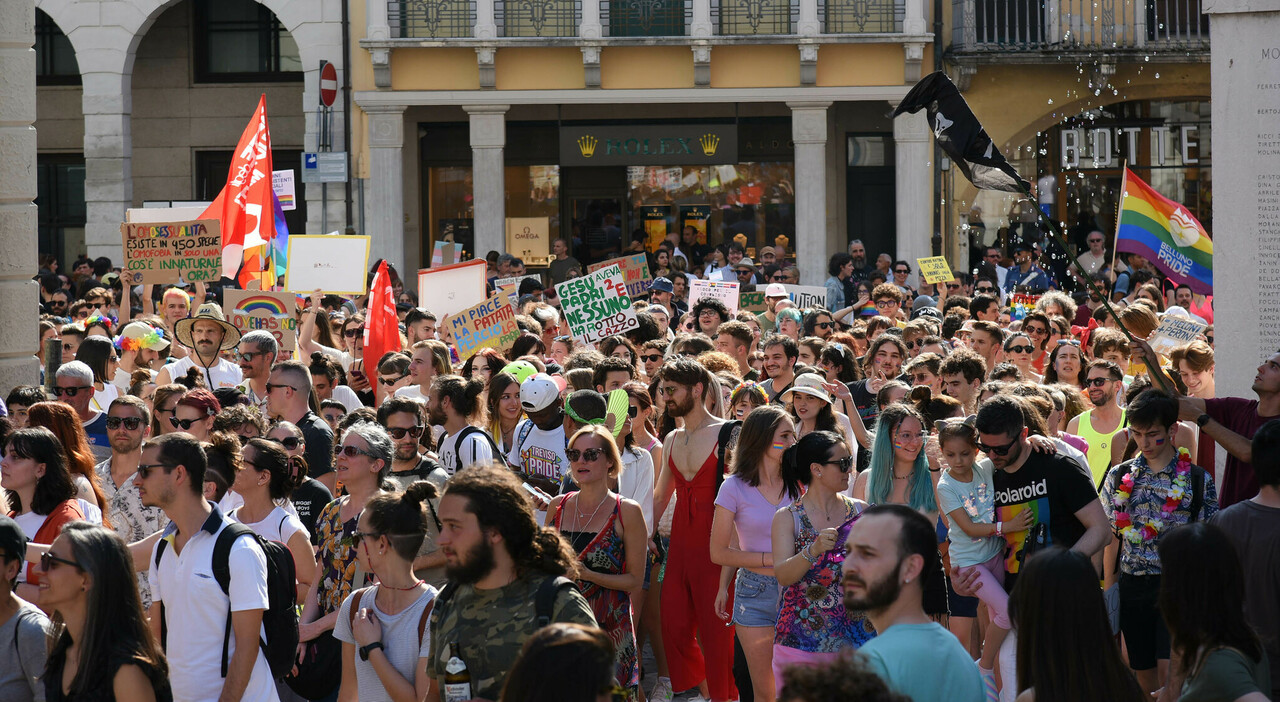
{"x":139,"y":346}
{"x":780,"y":354}
{"x":406,"y":421}
{"x":499,"y":564}
{"x":288,"y":398}
{"x":885,"y":358}
{"x":890,"y":551}
{"x":699,"y":645}
{"x":257,"y":354}
{"x":1099,"y":425}
{"x":454,"y":403}
{"x":207,"y":334}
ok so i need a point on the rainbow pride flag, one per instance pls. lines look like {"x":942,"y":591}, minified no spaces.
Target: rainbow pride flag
{"x":1164,"y":232}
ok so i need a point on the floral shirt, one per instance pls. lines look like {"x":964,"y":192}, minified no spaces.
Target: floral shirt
{"x":129,"y":518}
{"x":1151,"y":489}
{"x":338,"y":562}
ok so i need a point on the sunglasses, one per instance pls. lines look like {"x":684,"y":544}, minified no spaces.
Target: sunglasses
{"x":587,"y":455}
{"x":653,"y":358}
{"x":350,"y":451}
{"x":1209,"y":338}
{"x":991,"y":291}
{"x":290,"y":443}
{"x":1036,"y":330}
{"x":777,"y":278}
{"x":273,"y":386}
{"x":352,"y":538}
{"x":1096,"y":382}
{"x":130,"y":423}
{"x":398,"y":433}
{"x":632,"y":411}
{"x":248,"y":356}
{"x":352,"y":332}
{"x":953,"y":286}
{"x":57,"y":303}
{"x":824,"y":325}
{"x":1095,"y":241}
{"x":913,"y":343}
{"x":144,"y":469}
{"x":48,"y":562}
{"x":1020,"y":349}
{"x":184,"y":423}
{"x":1068,"y":342}
{"x":844,"y":464}
{"x":392,"y":381}
{"x":71,"y":391}
{"x":997,"y":450}
{"x":900,"y":272}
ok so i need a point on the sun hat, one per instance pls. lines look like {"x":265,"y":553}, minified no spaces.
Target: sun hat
{"x":140,"y":335}
{"x":810,"y":384}
{"x":210,"y":312}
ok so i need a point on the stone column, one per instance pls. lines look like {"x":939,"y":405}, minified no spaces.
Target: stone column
{"x":384,"y":210}
{"x":488,"y":182}
{"x":809,"y":132}
{"x":591,"y":27}
{"x":913,"y":185}
{"x":701,"y":25}
{"x":108,"y":155}
{"x":807,"y":23}
{"x":18,"y":293}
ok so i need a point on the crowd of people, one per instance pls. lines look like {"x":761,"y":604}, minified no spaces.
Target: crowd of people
{"x":915,"y":492}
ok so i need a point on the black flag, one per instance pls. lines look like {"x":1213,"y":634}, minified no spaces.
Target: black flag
{"x":960,"y":134}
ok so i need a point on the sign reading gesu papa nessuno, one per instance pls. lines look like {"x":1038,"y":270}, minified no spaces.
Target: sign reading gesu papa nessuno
{"x":648,"y":145}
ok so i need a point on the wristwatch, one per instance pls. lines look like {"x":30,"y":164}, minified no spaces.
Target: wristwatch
{"x":1203,"y":420}
{"x":366,"y":650}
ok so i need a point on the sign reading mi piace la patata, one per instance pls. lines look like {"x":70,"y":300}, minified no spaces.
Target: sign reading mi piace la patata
{"x":649,"y":145}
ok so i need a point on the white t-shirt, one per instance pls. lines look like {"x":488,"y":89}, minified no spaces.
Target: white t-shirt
{"x":103,"y":398}
{"x":343,"y":358}
{"x":541,"y":453}
{"x":347,"y":397}
{"x":122,"y":377}
{"x":474,"y":450}
{"x":636,"y":482}
{"x":413,"y":392}
{"x":278,"y":526}
{"x":223,"y":374}
{"x":232,"y":500}
{"x":400,"y":641}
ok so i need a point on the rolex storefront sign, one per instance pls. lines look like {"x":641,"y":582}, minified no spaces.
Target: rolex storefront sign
{"x":649,"y":145}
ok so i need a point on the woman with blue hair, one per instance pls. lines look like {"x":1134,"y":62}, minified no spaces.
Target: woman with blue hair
{"x":790,"y":322}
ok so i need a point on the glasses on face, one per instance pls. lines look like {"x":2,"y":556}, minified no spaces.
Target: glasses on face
{"x":913,"y":343}
{"x":48,"y":562}
{"x":953,"y":286}
{"x":1096,"y":382}
{"x":392,"y":381}
{"x":184,"y":423}
{"x":273,"y":386}
{"x":144,"y":469}
{"x":130,"y":423}
{"x":96,"y":305}
{"x":1036,"y":331}
{"x":993,"y":256}
{"x":843,"y":464}
{"x":1095,"y":241}
{"x":899,"y":271}
{"x":708,"y":313}
{"x":350,"y":451}
{"x":824,"y":325}
{"x":997,"y":450}
{"x":904,"y":438}
{"x":248,"y":356}
{"x":885,"y":304}
{"x":777,"y":278}
{"x":57,"y":303}
{"x":986,"y":290}
{"x":352,"y":333}
{"x":652,"y":358}
{"x":632,"y":411}
{"x":1209,"y":338}
{"x":1068,"y":342}
{"x":586,"y":455}
{"x":71,"y":391}
{"x":355,"y":537}
{"x":668,"y":390}
{"x":290,"y":443}
{"x":1018,"y":348}
{"x":398,"y":433}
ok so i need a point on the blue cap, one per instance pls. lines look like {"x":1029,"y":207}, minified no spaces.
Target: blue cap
{"x":661,"y":284}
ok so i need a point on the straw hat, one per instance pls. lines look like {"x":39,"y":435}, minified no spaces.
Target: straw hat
{"x":810,"y":384}
{"x":209,"y":311}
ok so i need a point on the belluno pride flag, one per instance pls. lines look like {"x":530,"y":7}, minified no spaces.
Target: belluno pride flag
{"x":1164,"y":232}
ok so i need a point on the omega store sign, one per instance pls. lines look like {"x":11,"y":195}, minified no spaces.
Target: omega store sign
{"x":649,"y":145}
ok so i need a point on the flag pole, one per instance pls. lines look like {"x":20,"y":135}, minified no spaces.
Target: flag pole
{"x":1056,"y":232}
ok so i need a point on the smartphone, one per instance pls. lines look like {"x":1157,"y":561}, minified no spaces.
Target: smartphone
{"x":536,"y":492}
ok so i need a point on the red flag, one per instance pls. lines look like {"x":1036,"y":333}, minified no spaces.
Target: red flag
{"x":244,"y":206}
{"x":381,"y":326}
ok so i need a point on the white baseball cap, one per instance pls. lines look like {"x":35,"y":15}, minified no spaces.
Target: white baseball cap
{"x":538,"y":392}
{"x":775,"y":290}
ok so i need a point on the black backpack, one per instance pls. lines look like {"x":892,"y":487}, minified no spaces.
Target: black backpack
{"x":280,"y":620}
{"x":462,"y":436}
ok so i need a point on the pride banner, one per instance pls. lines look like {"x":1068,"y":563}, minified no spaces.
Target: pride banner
{"x":1164,"y":232}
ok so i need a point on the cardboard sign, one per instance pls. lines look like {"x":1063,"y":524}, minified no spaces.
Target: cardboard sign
{"x":722,"y":290}
{"x":529,"y":238}
{"x":160,"y":252}
{"x":597,"y":305}
{"x":334,"y":264}
{"x":283,"y":185}
{"x":252,"y":310}
{"x":1022,"y":305}
{"x":451,"y":289}
{"x":935,"y":270}
{"x":635,"y":269}
{"x":1173,"y":332}
{"x":444,"y":254}
{"x":806,"y":296}
{"x":752,"y":302}
{"x":490,"y":324}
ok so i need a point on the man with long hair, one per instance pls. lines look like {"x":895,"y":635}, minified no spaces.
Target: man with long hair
{"x":499,"y":562}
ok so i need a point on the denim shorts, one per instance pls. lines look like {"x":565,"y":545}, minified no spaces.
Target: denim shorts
{"x":755,"y":599}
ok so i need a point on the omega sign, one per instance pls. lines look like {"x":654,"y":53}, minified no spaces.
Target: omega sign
{"x":645,"y":145}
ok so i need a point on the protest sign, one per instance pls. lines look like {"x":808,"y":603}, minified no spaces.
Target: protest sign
{"x":721,"y":290}
{"x":334,"y":264}
{"x":752,"y":302}
{"x":511,"y":285}
{"x":490,"y":324}
{"x":529,"y":238}
{"x":1022,"y":305}
{"x":451,"y":289}
{"x":283,"y":185}
{"x":159,"y":252}
{"x":252,"y":310}
{"x":807,"y":295}
{"x":935,"y":270}
{"x":1173,"y":332}
{"x":597,"y":305}
{"x":635,"y":270}
{"x":443,"y":254}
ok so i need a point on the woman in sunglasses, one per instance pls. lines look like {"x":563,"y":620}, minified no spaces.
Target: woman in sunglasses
{"x":311,"y":495}
{"x":807,"y":539}
{"x":195,"y":412}
{"x":99,"y":354}
{"x":41,"y":493}
{"x":266,"y":479}
{"x":608,"y":533}
{"x":164,"y":404}
{"x":103,"y":648}
{"x":1020,"y":351}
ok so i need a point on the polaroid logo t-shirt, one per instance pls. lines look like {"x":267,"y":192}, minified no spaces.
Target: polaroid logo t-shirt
{"x":1054,"y":489}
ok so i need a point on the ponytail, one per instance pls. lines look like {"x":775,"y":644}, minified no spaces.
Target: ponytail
{"x":814,"y":447}
{"x":402,"y":517}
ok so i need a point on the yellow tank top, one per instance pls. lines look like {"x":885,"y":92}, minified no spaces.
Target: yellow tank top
{"x":1099,"y":453}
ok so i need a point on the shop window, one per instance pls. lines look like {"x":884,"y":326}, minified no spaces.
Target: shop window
{"x":60,"y":203}
{"x":531,"y":191}
{"x":242,"y":41}
{"x":55,"y":58}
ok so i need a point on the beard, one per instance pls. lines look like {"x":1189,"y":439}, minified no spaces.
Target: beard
{"x":680,"y":409}
{"x":407,"y":452}
{"x":477,"y":563}
{"x":128,"y":445}
{"x":880,"y":594}
{"x":436,"y":415}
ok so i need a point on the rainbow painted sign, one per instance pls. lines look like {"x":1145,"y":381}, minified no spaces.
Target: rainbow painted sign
{"x":253,"y":310}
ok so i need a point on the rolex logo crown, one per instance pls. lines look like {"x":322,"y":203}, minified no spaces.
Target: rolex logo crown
{"x":587,"y":145}
{"x":709,"y":144}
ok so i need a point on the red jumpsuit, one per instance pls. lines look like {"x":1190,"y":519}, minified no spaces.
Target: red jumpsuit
{"x":689,"y":591}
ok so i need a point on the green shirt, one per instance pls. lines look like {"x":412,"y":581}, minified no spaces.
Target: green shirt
{"x":766,"y":324}
{"x":1227,"y":674}
{"x":491,"y":626}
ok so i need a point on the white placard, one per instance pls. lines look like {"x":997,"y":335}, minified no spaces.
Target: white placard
{"x":282,"y":184}
{"x":722,"y":290}
{"x":334,"y":264}
{"x":807,"y":295}
{"x":1173,"y":332}
{"x":448,"y":290}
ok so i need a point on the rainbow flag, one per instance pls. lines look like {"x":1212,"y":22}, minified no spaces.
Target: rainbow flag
{"x":1164,"y":232}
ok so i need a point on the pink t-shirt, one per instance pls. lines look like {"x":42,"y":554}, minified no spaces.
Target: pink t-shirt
{"x":752,"y":513}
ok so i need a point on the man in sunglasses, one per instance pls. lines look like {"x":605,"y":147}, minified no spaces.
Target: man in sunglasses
{"x":207,"y":334}
{"x":288,"y":398}
{"x":256,"y":355}
{"x":128,"y":424}
{"x":406,"y":422}
{"x":1099,"y":425}
{"x":73,"y":385}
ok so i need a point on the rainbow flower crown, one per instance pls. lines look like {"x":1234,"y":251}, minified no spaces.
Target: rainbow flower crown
{"x":124,"y":343}
{"x":100,"y":320}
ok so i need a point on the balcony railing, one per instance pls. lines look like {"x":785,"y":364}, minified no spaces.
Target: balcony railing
{"x":755,"y":16}
{"x":646,"y":18}
{"x":1078,"y":25}
{"x":537,"y":18}
{"x":431,"y":19}
{"x":860,"y":16}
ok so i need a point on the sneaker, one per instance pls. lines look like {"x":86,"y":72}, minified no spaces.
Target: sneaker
{"x":662,"y":691}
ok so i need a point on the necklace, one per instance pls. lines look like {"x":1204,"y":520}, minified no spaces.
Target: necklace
{"x":688,"y":432}
{"x":825,"y":514}
{"x":902,"y":477}
{"x":415,"y":584}
{"x":1135,"y":531}
{"x":577,"y":509}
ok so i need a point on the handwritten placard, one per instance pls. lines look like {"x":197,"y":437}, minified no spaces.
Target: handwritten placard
{"x":160,"y":252}
{"x":490,"y":324}
{"x":253,"y":310}
{"x":452,"y":289}
{"x":334,"y":264}
{"x":752,"y":302}
{"x":806,"y":296}
{"x":1173,"y":332}
{"x":722,"y":290}
{"x":511,"y":286}
{"x":935,"y":270}
{"x":597,"y":305}
{"x":529,"y":238}
{"x":635,"y":269}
